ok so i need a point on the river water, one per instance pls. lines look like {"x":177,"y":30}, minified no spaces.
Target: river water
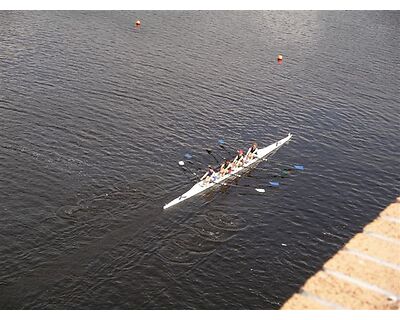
{"x":96,"y":113}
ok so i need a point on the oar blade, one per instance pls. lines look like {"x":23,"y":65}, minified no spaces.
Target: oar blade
{"x":188,"y":156}
{"x":260,"y":190}
{"x":284,"y":173}
{"x":298,"y":167}
{"x":274,"y":184}
{"x":221,"y":141}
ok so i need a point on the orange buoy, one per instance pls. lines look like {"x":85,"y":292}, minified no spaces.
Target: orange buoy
{"x":137,"y":23}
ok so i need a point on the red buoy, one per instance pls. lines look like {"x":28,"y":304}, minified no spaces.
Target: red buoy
{"x":137,"y":23}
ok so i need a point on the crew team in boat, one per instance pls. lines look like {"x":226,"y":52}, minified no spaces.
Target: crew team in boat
{"x":226,"y":168}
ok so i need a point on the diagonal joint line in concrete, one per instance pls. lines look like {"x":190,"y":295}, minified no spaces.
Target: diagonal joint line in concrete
{"x":363,"y":284}
{"x":376,"y":260}
{"x":382,"y":237}
{"x":322,"y":301}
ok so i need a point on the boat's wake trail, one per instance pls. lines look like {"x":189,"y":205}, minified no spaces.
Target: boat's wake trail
{"x":226,"y":222}
{"x":184,"y":250}
{"x":200,"y":237}
{"x":114,"y":199}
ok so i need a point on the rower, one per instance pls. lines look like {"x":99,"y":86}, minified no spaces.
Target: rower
{"x":238,"y":160}
{"x":251,"y":152}
{"x":208,"y":175}
{"x":225,"y":168}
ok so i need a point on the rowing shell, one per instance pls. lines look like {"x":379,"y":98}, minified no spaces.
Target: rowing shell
{"x":199,"y":187}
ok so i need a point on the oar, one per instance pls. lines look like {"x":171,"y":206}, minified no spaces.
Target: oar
{"x":261,"y":190}
{"x":271,"y":172}
{"x":271,"y":184}
{"x":221,"y":143}
{"x":274,"y":184}
{"x":298,"y":167}
{"x":188,"y":156}
{"x":182,"y":164}
{"x":209,"y":151}
{"x":284,"y":173}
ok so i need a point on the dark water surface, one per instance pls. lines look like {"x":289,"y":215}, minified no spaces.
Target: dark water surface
{"x":95,"y":115}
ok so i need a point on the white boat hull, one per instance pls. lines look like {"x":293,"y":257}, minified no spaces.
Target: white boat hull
{"x":199,"y":187}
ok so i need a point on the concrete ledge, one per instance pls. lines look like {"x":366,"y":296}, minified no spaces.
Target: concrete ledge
{"x":385,"y":227}
{"x":299,"y":302}
{"x":375,"y":246}
{"x":365,"y":274}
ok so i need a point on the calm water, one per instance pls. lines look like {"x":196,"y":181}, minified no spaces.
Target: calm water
{"x":95,"y":115}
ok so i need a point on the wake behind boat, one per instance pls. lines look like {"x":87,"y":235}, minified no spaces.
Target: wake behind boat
{"x":202,"y":187}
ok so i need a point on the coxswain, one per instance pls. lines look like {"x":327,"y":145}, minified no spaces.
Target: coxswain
{"x":208,"y":175}
{"x":251,"y":152}
{"x":238,"y":160}
{"x":225,"y":168}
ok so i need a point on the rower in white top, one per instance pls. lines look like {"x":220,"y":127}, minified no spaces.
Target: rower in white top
{"x":209,"y":176}
{"x":251,"y":152}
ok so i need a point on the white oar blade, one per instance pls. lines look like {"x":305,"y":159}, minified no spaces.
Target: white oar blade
{"x":181,"y":163}
{"x":260,"y":190}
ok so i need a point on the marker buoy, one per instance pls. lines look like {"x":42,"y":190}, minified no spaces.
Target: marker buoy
{"x":280,"y":58}
{"x":137,"y":23}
